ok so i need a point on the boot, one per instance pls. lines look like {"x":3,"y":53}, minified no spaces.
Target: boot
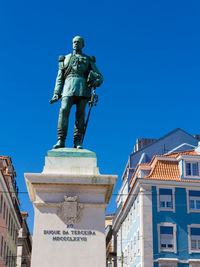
{"x":77,"y":138}
{"x":61,"y":139}
{"x":59,"y":144}
{"x":77,"y":142}
{"x":79,"y":146}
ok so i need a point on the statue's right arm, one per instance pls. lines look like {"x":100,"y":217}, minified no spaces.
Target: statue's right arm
{"x":59,"y":81}
{"x":58,"y":87}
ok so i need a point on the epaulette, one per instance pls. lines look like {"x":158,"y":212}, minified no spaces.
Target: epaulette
{"x":92,"y":58}
{"x":61,"y":58}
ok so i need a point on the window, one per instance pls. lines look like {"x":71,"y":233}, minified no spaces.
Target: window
{"x":4,"y":252}
{"x":125,"y":255}
{"x":9,"y":258}
{"x":138,"y":206}
{"x":192,"y":169}
{"x":131,"y":215}
{"x":138,"y":242}
{"x":12,"y":260}
{"x":134,"y":212}
{"x":195,"y":239}
{"x":16,"y":234}
{"x":1,"y":204}
{"x":128,"y":222}
{"x":4,"y":210}
{"x":167,"y":237}
{"x":2,"y":241}
{"x":134,"y":248}
{"x":194,"y":200}
{"x":128,"y":254}
{"x":125,"y":227}
{"x":165,"y":199}
{"x":7,"y":215}
{"x":11,"y":226}
{"x":7,"y":255}
{"x":131,"y":252}
{"x":9,"y":223}
{"x":13,"y":236}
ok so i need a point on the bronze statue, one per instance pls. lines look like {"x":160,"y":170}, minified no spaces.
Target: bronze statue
{"x":77,"y":74}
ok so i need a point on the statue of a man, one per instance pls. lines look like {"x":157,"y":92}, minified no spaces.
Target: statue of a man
{"x":73,"y":73}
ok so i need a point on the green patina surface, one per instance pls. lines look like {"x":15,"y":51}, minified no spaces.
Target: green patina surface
{"x":71,"y":152}
{"x":77,"y":75}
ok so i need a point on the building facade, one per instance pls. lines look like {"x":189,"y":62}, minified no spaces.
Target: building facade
{"x":24,"y":244}
{"x":10,"y":217}
{"x":111,"y":255}
{"x":141,"y":223}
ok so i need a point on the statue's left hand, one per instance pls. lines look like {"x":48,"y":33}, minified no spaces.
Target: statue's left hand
{"x":96,"y":83}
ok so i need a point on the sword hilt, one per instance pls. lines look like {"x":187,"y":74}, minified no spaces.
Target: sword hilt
{"x":94,"y":99}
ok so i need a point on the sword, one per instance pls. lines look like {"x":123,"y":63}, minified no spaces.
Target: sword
{"x":93,"y":102}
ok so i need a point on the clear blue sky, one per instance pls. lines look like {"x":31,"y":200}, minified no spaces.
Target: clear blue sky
{"x":147,"y":51}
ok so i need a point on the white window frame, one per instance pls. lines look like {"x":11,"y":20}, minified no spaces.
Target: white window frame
{"x":128,"y":222}
{"x":174,"y":237}
{"x":125,"y":255}
{"x":191,"y":161}
{"x":138,"y":242}
{"x":134,"y":213}
{"x":131,"y":251}
{"x":167,"y":264}
{"x":128,"y":254}
{"x":135,"y":245}
{"x":189,"y":238}
{"x":194,"y":264}
{"x":188,"y":200}
{"x":158,"y":199}
{"x":195,"y":199}
{"x":138,"y":205}
{"x":126,"y":226}
{"x":131,"y":216}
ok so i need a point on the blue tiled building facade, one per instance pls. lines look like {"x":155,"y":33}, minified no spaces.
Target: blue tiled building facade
{"x":158,"y":217}
{"x":176,"y":232}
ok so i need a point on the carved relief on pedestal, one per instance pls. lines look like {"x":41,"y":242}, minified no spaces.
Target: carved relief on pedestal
{"x":70,"y":211}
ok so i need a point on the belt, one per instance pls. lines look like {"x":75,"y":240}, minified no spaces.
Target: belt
{"x":75,"y":75}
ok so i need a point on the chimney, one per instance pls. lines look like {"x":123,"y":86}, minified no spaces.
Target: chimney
{"x":197,"y":136}
{"x":143,"y":142}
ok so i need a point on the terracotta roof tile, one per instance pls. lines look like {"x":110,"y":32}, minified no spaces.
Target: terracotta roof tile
{"x":165,"y":170}
{"x":191,"y":152}
{"x":145,"y":164}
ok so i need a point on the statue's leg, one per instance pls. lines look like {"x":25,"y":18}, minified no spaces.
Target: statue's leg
{"x":80,"y":121}
{"x":66,"y":105}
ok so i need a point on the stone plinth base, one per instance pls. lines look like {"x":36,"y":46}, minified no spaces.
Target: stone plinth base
{"x":69,"y":199}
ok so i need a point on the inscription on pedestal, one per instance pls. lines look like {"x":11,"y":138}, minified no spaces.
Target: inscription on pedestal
{"x":70,"y":234}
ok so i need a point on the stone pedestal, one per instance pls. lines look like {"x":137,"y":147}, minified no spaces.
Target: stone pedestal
{"x":69,"y":199}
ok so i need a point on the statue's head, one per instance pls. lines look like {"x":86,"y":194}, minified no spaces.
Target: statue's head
{"x":78,"y":43}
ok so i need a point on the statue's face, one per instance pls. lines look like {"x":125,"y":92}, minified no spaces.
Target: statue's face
{"x":77,"y":44}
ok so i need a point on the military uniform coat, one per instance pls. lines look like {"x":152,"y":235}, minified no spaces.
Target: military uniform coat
{"x":74,"y":83}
